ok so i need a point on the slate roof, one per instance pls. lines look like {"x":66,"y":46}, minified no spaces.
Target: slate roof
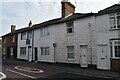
{"x":111,"y":9}
{"x":51,"y":22}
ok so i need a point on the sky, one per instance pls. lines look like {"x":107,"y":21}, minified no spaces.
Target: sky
{"x":20,"y":12}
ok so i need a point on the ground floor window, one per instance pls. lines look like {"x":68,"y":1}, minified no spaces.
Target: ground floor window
{"x":22,"y":50}
{"x":45,"y":51}
{"x":4,"y":51}
{"x":70,"y":52}
{"x":115,"y":48}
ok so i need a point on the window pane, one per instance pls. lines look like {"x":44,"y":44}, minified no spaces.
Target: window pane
{"x":42,"y":51}
{"x":117,"y":51}
{"x":29,"y":34}
{"x":112,"y":22}
{"x":69,"y":30}
{"x":70,"y":48}
{"x":118,"y":21}
{"x":44,"y":31}
{"x":70,"y":24}
{"x":70,"y":27}
{"x":23,"y":35}
{"x":70,"y":52}
{"x":45,"y":51}
{"x":23,"y":51}
{"x":71,"y":55}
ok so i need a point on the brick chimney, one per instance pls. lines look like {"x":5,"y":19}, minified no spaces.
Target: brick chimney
{"x":30,"y":24}
{"x":13,"y":28}
{"x":67,"y":8}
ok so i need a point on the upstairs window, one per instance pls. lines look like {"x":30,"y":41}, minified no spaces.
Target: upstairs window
{"x":70,"y":27}
{"x":13,"y":39}
{"x":115,"y":20}
{"x":44,"y":31}
{"x":29,"y":35}
{"x":23,"y":36}
{"x":4,"y":40}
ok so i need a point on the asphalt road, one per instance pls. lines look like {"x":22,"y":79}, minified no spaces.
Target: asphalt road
{"x":48,"y":74}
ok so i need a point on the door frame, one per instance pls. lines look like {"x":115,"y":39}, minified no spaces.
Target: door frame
{"x":29,"y":47}
{"x":101,"y":57}
{"x":36,"y":53}
{"x":85,"y":55}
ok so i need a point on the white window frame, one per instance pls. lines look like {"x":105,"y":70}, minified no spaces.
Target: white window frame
{"x":29,"y":34}
{"x":23,"y":36}
{"x":70,"y":53}
{"x":45,"y":31}
{"x":45,"y":51}
{"x":70,"y":27}
{"x":114,"y":20}
{"x":22,"y":51}
{"x":113,"y":44}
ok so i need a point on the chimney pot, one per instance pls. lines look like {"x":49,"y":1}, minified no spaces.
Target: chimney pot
{"x":30,"y":24}
{"x":67,"y":8}
{"x":13,"y":28}
{"x":65,"y":0}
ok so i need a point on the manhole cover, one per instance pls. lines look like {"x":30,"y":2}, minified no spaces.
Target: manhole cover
{"x":29,"y":69}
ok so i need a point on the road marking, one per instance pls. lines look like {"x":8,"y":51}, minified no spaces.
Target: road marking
{"x":21,"y":74}
{"x":3,"y":76}
{"x":39,"y":71}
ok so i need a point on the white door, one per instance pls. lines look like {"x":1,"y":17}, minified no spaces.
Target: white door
{"x":103,"y":60}
{"x":29,"y":54}
{"x":83,"y":56}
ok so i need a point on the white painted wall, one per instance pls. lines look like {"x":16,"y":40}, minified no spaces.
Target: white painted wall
{"x":81,"y":36}
{"x":22,"y":43}
{"x":104,"y":34}
{"x":45,"y":41}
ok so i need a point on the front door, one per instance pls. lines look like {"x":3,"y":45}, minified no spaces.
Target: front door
{"x":29,"y":54}
{"x":36,"y":54}
{"x":103,"y":61}
{"x":83,"y":56}
{"x":11,"y":52}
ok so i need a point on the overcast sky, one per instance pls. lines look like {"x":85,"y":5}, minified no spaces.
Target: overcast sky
{"x":19,"y":13}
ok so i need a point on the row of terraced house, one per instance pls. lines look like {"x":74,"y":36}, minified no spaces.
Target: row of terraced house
{"x":78,"y":38}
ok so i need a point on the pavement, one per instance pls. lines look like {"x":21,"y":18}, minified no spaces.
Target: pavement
{"x":69,"y":68}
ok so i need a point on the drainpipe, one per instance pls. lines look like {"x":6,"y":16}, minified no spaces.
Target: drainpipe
{"x":32,"y":43}
{"x":90,"y":29}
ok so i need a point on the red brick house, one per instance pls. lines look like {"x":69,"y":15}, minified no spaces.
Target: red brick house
{"x":9,"y":44}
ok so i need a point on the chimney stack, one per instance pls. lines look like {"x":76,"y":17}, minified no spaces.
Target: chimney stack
{"x":13,"y":28}
{"x":30,"y":24}
{"x":67,"y":8}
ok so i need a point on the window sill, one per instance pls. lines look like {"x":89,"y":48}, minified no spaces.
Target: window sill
{"x":69,"y":34}
{"x":70,"y":59}
{"x":115,"y":58}
{"x":114,"y":29}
